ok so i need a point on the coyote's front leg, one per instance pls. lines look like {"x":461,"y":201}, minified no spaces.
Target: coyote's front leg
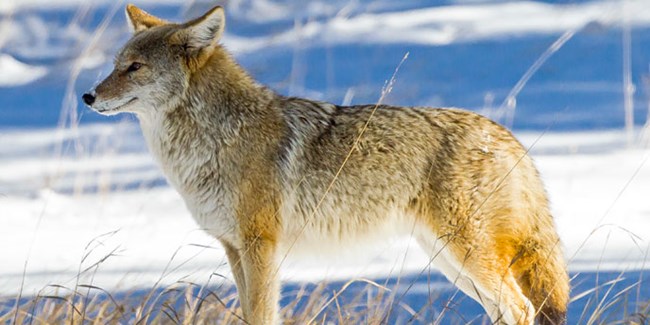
{"x":235,"y":261}
{"x":262,"y":285}
{"x":259,"y":263}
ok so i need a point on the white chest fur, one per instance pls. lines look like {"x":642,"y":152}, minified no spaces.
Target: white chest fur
{"x":194,"y":173}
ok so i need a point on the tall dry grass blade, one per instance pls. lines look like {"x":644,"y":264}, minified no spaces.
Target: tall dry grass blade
{"x":598,"y":312}
{"x":509,"y":104}
{"x":343,"y":289}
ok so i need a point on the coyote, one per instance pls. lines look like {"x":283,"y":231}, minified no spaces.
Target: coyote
{"x":265,"y":173}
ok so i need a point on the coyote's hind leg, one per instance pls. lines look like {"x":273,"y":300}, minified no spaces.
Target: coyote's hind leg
{"x":480,"y":275}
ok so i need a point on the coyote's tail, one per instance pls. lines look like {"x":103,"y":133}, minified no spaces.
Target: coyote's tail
{"x":543,"y":278}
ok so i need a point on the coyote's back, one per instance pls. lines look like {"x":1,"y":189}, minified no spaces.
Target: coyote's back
{"x":266,"y":174}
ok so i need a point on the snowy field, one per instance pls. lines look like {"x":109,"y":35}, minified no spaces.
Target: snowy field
{"x":81,"y":200}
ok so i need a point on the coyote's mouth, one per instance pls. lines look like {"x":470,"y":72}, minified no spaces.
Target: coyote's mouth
{"x":116,"y":108}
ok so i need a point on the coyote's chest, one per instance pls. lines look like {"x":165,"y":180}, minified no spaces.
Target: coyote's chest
{"x":193,"y":169}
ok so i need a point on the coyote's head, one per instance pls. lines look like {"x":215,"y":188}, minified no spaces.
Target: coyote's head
{"x":154,"y":67}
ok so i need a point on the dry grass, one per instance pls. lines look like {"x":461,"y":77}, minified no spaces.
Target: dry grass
{"x":354,"y":302}
{"x":187,"y":303}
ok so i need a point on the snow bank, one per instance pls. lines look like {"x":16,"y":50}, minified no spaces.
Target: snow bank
{"x":342,"y":23}
{"x":461,"y":23}
{"x":16,"y":73}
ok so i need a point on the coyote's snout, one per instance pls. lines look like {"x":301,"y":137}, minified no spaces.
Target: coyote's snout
{"x":263,"y":173}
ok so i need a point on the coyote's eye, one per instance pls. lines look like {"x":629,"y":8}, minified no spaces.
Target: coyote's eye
{"x":135,"y":66}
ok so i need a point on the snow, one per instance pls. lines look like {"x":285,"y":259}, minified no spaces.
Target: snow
{"x":458,"y":23}
{"x":16,"y":73}
{"x":599,"y":199}
{"x":426,"y":26}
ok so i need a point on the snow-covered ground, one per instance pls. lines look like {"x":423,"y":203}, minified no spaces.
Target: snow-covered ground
{"x":50,"y":232}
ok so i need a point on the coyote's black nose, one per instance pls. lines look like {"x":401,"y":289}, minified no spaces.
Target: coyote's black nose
{"x":88,"y":99}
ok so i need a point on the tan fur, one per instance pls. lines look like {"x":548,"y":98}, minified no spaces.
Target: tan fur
{"x":141,"y":20}
{"x":266,"y":174}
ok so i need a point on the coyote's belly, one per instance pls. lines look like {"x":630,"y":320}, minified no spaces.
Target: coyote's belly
{"x":338,"y":219}
{"x":337,"y":230}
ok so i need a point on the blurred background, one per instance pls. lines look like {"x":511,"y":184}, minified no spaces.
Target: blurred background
{"x":79,"y":191}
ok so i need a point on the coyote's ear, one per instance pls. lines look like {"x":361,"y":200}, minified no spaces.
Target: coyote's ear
{"x":140,"y":20}
{"x":204,"y":32}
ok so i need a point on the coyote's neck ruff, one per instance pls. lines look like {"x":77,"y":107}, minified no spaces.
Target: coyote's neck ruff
{"x":207,"y":147}
{"x":265,"y":173}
